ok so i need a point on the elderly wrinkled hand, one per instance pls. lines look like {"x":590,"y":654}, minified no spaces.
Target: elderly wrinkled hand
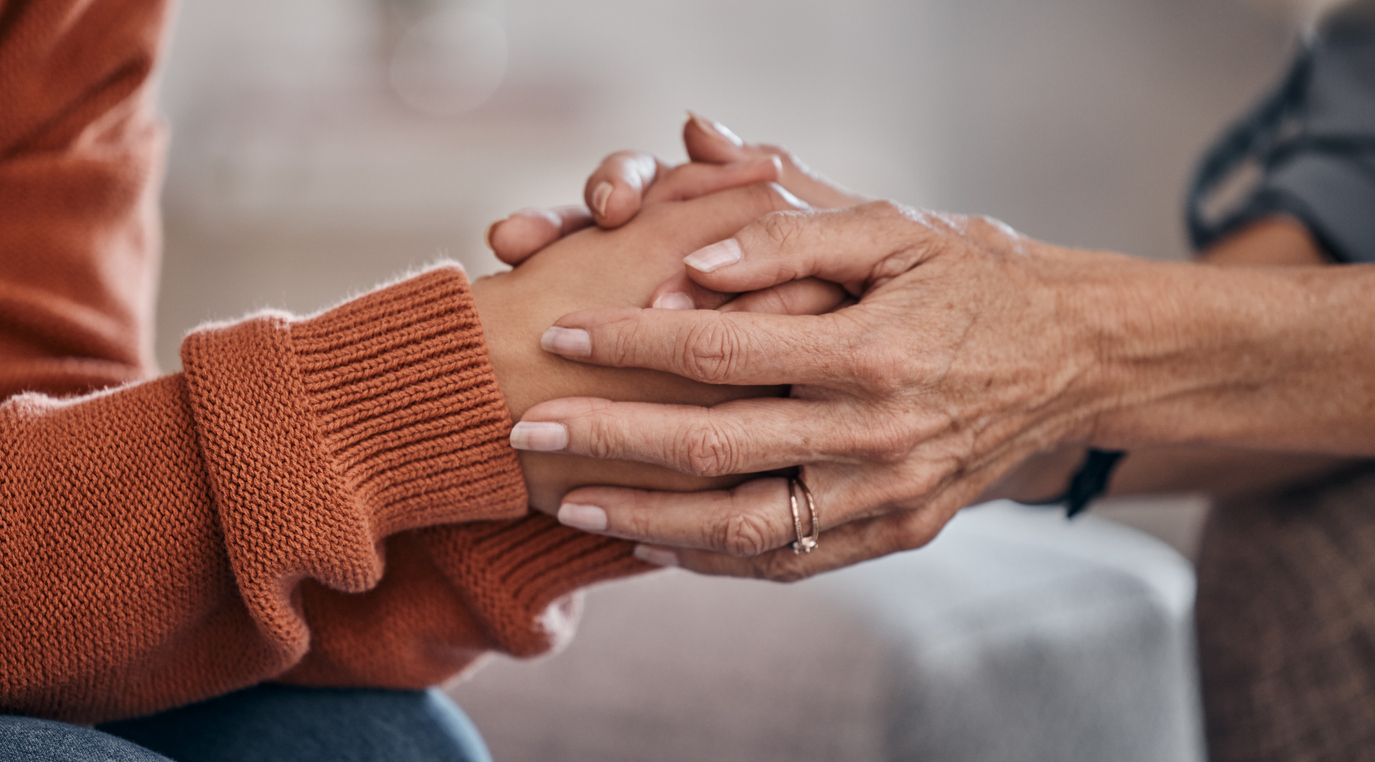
{"x":954,"y":365}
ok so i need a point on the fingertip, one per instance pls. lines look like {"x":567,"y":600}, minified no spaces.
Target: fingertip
{"x":674,"y":300}
{"x":715,"y":256}
{"x":621,"y":205}
{"x":710,"y":141}
{"x":522,"y":234}
{"x":487,"y":234}
{"x":681,"y":293}
{"x":613,"y":192}
{"x":714,"y":129}
{"x":656,"y":555}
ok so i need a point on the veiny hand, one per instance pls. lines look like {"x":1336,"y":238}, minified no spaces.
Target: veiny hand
{"x":963,"y":355}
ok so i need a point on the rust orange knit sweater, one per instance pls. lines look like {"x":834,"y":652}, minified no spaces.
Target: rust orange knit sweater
{"x":328,"y":500}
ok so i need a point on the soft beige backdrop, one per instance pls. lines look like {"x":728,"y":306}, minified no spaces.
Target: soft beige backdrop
{"x":297,"y":177}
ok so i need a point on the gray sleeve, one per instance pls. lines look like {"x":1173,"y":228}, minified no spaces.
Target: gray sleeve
{"x":1313,"y":141}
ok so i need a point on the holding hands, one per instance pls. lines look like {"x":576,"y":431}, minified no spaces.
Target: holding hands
{"x":904,"y":407}
{"x":926,"y":356}
{"x":894,"y":426}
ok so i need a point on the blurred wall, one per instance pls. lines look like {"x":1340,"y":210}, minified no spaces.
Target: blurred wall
{"x":297,"y":175}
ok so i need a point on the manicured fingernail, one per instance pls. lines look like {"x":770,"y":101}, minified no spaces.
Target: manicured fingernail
{"x":588,"y":518}
{"x":600,"y":196}
{"x":539,"y":436}
{"x":657,"y":556}
{"x":569,"y":342}
{"x":714,"y":257}
{"x":711,"y":126}
{"x":674,"y":301}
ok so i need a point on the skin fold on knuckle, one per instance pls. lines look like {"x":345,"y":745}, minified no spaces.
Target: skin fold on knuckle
{"x":600,"y":438}
{"x":740,"y":534}
{"x":879,"y":370}
{"x":634,"y":520}
{"x":619,"y":342}
{"x":712,"y":350}
{"x":914,"y":531}
{"x":889,"y":439}
{"x":704,"y":448}
{"x":780,"y":229}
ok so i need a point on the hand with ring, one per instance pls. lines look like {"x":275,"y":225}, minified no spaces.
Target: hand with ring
{"x":963,"y":348}
{"x":970,"y":348}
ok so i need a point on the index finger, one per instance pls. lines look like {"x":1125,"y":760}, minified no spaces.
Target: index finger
{"x":740,"y":348}
{"x":854,"y":247}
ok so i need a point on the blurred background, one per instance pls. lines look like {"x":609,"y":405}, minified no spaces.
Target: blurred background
{"x":320,"y":146}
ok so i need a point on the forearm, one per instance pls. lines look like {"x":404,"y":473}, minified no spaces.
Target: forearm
{"x":1260,"y":358}
{"x":1169,"y":470}
{"x":1277,"y":241}
{"x":267,"y":476}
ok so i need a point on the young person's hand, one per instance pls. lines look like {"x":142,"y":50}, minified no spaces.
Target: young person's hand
{"x":628,"y":181}
{"x":605,"y":268}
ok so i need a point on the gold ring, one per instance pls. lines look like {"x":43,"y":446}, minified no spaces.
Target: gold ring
{"x":807,"y":543}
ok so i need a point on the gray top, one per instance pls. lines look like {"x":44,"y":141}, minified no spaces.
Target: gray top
{"x":1313,"y":140}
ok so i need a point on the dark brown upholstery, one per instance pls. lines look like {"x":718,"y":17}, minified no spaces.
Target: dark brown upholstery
{"x":1286,"y":619}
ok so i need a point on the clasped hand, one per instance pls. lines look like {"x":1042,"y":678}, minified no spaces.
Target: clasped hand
{"x":906,"y":403}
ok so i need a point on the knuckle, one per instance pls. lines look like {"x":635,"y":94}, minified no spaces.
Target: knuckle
{"x":713,"y":351}
{"x":620,"y":341}
{"x":888,"y":210}
{"x":706,"y":450}
{"x":891,"y":440}
{"x":742,"y":535}
{"x":923,"y":482}
{"x":779,"y":228}
{"x":601,"y":439}
{"x":912,"y":533}
{"x":877,"y":368}
{"x":638,"y":522}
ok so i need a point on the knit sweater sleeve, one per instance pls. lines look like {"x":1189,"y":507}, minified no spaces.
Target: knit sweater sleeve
{"x":327,"y":500}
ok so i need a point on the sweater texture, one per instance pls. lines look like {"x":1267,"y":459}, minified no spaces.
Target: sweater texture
{"x":328,"y":500}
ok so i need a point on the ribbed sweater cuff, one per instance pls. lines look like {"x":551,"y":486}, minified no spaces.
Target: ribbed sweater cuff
{"x":518,"y":575}
{"x":407,"y":406}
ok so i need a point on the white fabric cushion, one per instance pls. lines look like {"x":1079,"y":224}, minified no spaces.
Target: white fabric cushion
{"x":1014,"y":636}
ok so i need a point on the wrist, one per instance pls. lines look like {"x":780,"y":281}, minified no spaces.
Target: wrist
{"x":1194,"y":354}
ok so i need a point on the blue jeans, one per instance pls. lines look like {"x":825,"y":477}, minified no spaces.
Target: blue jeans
{"x":266,"y":722}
